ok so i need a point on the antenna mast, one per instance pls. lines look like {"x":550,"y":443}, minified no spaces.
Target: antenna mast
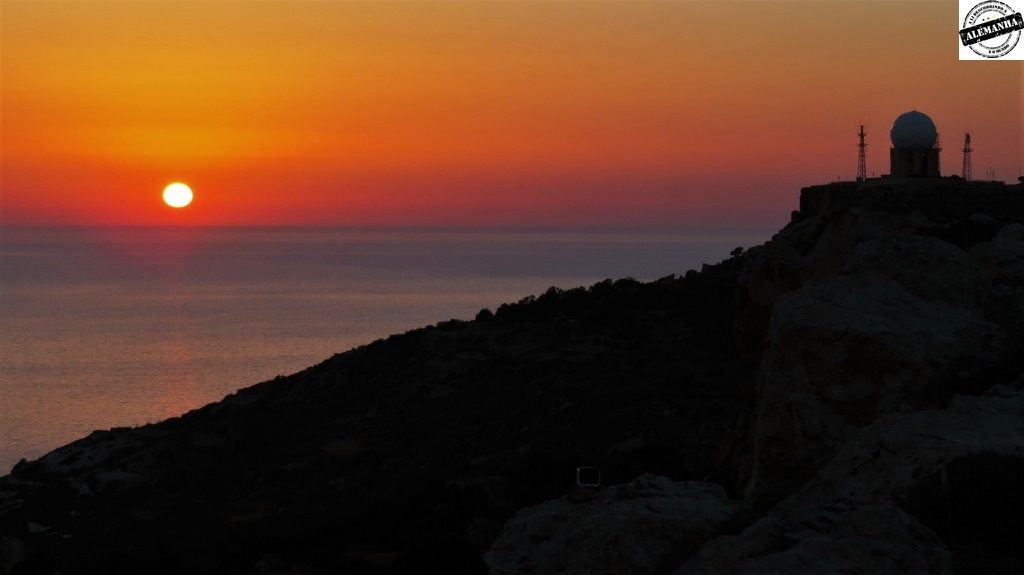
{"x":967,"y":156}
{"x":862,"y":169}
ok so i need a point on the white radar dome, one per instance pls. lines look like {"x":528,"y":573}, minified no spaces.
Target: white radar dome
{"x":913,"y":131}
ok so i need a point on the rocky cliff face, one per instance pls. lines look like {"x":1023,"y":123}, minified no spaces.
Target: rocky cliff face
{"x":847,"y":398}
{"x":886,"y":317}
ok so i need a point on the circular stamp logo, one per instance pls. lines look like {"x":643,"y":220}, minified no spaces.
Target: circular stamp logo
{"x":991,"y":29}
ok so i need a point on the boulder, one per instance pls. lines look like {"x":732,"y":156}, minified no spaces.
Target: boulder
{"x":644,"y":526}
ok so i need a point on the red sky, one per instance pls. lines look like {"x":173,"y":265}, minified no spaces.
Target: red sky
{"x":474,"y":113}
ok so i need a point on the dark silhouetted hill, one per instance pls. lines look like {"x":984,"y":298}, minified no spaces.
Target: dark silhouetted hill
{"x":846,"y":398}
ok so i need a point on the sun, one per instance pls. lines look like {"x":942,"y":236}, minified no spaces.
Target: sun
{"x":177,"y":195}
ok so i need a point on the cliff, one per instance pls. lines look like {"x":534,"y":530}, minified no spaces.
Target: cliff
{"x":847,"y":397}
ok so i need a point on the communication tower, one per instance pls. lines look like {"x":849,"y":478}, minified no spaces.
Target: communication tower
{"x":862,"y":168}
{"x":967,"y":156}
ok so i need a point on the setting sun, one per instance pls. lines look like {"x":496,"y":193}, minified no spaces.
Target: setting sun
{"x":177,"y":195}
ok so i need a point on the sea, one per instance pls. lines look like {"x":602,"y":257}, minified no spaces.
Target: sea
{"x":104,"y":327}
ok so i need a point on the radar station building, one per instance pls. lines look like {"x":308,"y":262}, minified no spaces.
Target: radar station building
{"x":914,"y":151}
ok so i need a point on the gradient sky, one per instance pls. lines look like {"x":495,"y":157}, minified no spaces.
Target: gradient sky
{"x":475,"y":113}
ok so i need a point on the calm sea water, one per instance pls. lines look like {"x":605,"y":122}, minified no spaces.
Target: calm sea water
{"x":103,"y":327}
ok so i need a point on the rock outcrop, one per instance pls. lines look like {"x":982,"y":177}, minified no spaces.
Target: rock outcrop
{"x":843,"y":351}
{"x":859,"y":313}
{"x":931,"y":491}
{"x":645,"y":526}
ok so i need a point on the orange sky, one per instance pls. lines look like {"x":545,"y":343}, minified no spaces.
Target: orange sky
{"x":474,"y":113}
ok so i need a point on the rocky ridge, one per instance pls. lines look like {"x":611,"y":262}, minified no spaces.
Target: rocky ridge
{"x":846,"y":398}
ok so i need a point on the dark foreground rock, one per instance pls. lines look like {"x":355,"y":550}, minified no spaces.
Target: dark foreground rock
{"x":847,"y":398}
{"x":644,"y":526}
{"x":933,"y":491}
